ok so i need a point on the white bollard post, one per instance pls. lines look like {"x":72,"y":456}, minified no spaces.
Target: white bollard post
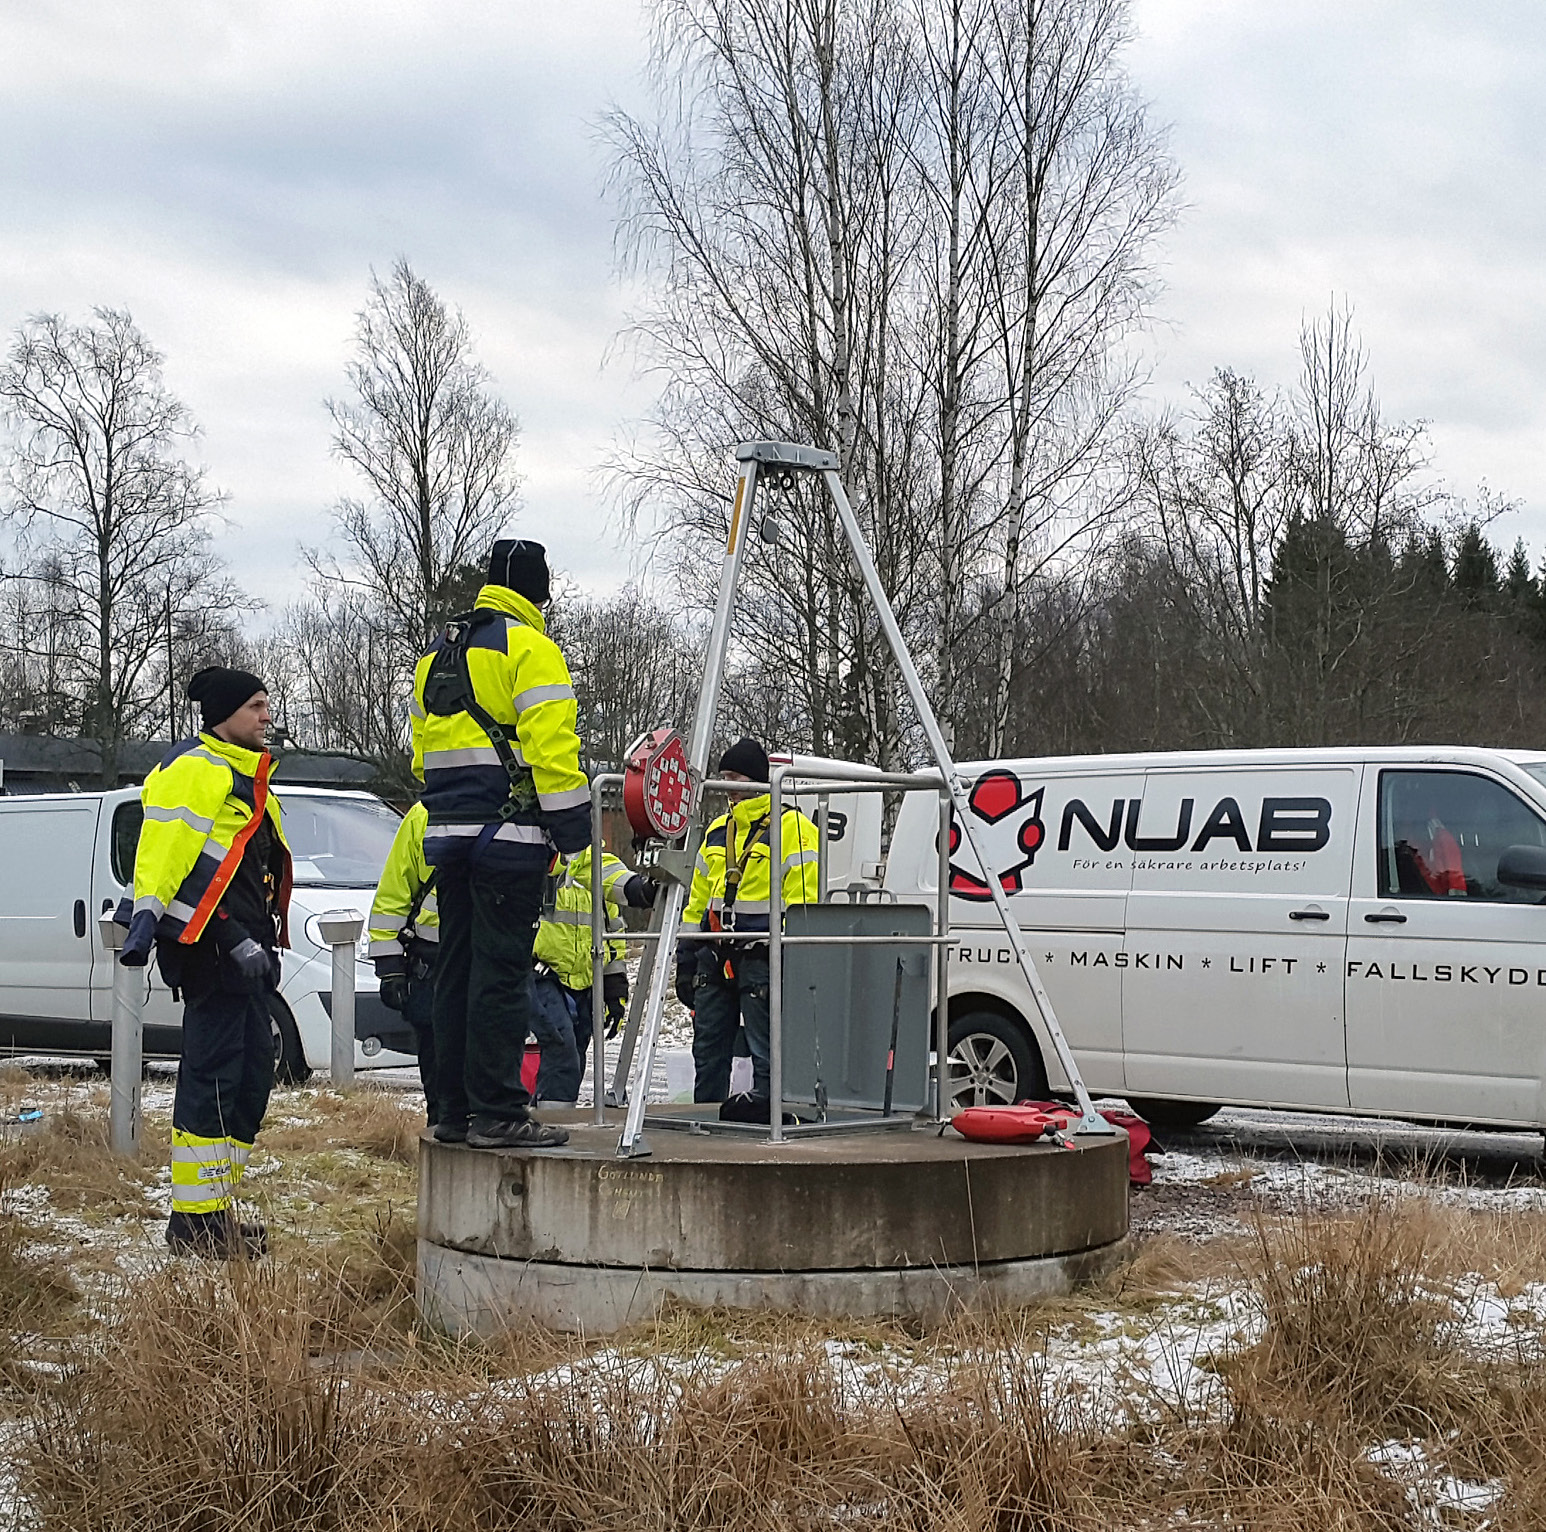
{"x":341,"y":931}
{"x":128,"y":1050}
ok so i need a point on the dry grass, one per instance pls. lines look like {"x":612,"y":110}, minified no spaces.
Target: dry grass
{"x":37,"y":1292}
{"x":309,"y":1400}
{"x":307,"y":1408}
{"x":372,"y":1121}
{"x":69,"y":1156}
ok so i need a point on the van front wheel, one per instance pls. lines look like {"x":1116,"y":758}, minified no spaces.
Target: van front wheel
{"x":1172,"y":1114}
{"x":290,"y":1066}
{"x":992,"y":1063}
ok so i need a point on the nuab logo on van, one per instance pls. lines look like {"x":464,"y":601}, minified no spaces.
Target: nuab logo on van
{"x":1016,"y":832}
{"x":999,"y":798}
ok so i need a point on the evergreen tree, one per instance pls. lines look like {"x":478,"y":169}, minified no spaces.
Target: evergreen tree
{"x":1424,"y":566}
{"x":1476,"y":567}
{"x":1517,"y":579}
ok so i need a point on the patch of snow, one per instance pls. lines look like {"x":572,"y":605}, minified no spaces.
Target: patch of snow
{"x":1433,"y":1495}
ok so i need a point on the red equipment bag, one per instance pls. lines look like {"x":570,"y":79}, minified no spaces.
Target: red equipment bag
{"x":1027,"y":1122}
{"x":1022,"y":1124}
{"x":1139,"y":1138}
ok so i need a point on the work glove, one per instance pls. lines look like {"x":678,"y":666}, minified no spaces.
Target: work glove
{"x":614,"y":986}
{"x":252,"y":959}
{"x":135,"y":952}
{"x":617,"y":1014}
{"x":639,"y":891}
{"x":394,"y":991}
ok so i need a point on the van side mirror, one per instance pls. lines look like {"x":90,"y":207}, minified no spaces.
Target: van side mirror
{"x":1523,"y":867}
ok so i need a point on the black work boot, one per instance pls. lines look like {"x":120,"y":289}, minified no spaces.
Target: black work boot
{"x":522,"y":1133}
{"x":450,"y":1132}
{"x":196,"y":1234}
{"x":216,"y":1236}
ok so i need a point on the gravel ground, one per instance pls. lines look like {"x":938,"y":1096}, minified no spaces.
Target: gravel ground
{"x":1208,"y":1180}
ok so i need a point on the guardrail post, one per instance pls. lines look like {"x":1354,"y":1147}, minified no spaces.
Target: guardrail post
{"x":341,"y":931}
{"x":128,"y":1048}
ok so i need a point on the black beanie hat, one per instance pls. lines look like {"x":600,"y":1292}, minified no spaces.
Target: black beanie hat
{"x":219,"y":692}
{"x":520,"y":566}
{"x":747,"y":757}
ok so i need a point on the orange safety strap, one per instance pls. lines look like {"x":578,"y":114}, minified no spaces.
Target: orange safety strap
{"x":233,"y":858}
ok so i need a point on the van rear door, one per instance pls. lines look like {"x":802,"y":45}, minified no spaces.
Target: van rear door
{"x":48,"y":935}
{"x":1236,"y":933}
{"x":1446,"y":967}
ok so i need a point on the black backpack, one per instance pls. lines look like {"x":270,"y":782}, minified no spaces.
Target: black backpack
{"x":448,"y":691}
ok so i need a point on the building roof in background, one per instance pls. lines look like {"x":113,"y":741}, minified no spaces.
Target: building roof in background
{"x":44,"y":762}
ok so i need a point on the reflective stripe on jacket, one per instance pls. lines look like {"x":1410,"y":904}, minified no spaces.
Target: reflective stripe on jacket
{"x":197,"y":803}
{"x":519,"y":677}
{"x":799,"y":853}
{"x":563,"y":941}
{"x":404,"y":876}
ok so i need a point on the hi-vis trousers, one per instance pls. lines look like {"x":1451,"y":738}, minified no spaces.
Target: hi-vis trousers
{"x":223,"y":1084}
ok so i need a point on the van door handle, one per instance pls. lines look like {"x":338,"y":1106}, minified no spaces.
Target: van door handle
{"x":80,"y":917}
{"x":1309,"y":914}
{"x":1386,"y":917}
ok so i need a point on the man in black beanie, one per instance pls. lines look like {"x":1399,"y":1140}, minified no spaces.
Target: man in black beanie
{"x":726,"y":984}
{"x":494,"y":743}
{"x":211,"y":895}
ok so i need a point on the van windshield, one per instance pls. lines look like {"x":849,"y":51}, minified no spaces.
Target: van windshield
{"x":338,"y":842}
{"x":1537,"y":769}
{"x":335,"y":842}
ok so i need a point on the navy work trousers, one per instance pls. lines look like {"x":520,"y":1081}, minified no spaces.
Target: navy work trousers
{"x":720,"y":1006}
{"x":227,"y":1067}
{"x":419,"y":1013}
{"x":482,"y":1010}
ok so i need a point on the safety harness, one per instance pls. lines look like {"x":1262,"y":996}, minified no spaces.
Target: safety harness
{"x":221,"y":881}
{"x":735,"y":866}
{"x":448,"y":691}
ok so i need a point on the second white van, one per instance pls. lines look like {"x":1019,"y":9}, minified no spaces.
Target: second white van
{"x":69,"y":856}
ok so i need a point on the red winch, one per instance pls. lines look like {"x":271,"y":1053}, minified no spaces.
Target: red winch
{"x":659,"y":786}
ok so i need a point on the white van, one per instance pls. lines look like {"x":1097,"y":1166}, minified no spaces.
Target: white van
{"x":66,"y":857}
{"x":1353,"y":930}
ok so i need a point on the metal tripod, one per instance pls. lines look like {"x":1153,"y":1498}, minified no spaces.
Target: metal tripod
{"x":785,"y":459}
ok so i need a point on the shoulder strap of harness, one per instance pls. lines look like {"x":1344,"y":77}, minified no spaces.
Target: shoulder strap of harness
{"x":448,"y":691}
{"x":736,"y":865}
{"x":424,"y":890}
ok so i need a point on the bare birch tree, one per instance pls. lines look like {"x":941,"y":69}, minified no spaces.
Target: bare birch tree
{"x":434,"y":448}
{"x":113,"y":523}
{"x":632,"y":660}
{"x":913,"y":231}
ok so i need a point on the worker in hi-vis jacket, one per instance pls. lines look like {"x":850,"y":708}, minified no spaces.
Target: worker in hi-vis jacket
{"x":726,"y":983}
{"x":494,"y":743}
{"x":211,"y":896}
{"x":404,"y":941}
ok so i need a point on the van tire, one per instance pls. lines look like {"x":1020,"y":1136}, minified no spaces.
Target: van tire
{"x":1172,"y":1114}
{"x":290,"y":1066}
{"x":992,"y":1062}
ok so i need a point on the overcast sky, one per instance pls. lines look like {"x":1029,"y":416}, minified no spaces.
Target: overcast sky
{"x":230,"y":173}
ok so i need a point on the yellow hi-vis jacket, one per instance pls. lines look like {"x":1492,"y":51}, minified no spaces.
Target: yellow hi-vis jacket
{"x":198,"y":804}
{"x":519,"y":677}
{"x":563,"y":940}
{"x":200,"y":809}
{"x":394,"y":920}
{"x":727,"y":839}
